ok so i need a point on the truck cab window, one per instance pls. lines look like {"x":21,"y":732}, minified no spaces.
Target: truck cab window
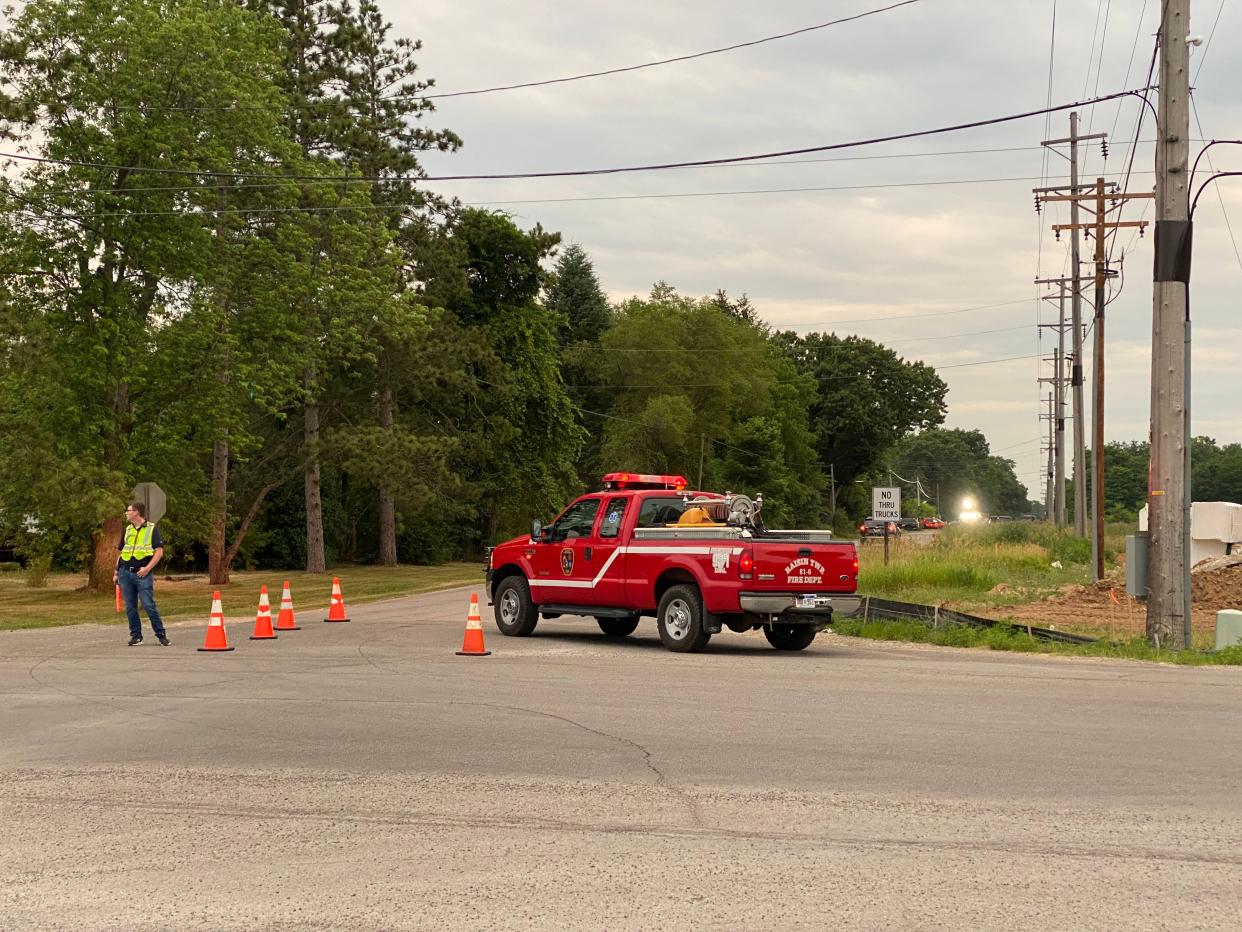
{"x":577,"y":521}
{"x":611,"y":525}
{"x":657,"y":512}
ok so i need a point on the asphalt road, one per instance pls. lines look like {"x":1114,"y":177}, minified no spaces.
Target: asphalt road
{"x":363,"y":776}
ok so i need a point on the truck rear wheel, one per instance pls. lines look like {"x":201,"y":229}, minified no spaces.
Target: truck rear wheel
{"x":680,"y":620}
{"x":790,"y":637}
{"x":618,"y":627}
{"x":515,"y":613}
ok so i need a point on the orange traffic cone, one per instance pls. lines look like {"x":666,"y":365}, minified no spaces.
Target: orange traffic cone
{"x":285,"y":620}
{"x":263,"y":620}
{"x":336,"y":608}
{"x":217,"y":639}
{"x":472,"y":646}
{"x":119,"y":606}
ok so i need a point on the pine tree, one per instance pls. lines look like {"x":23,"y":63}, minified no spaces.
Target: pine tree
{"x":576,"y":295}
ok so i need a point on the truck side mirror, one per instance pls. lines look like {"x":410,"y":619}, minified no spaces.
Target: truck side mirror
{"x":536,"y":530}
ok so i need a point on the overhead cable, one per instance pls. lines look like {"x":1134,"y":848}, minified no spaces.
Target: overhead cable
{"x":830,"y":147}
{"x":666,"y":61}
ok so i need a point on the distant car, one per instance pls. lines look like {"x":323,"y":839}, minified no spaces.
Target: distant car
{"x":874,"y":527}
{"x":932,"y":524}
{"x":909,"y":524}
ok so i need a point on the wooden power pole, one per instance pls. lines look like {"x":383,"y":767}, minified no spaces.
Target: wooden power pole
{"x":1056,"y":511}
{"x":1075,"y":277}
{"x":1099,"y":201}
{"x":1168,"y":596}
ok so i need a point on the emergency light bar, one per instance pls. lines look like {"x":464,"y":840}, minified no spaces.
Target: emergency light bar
{"x":632,"y":480}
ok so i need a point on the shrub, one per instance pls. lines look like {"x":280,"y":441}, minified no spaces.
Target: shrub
{"x":37,"y":570}
{"x":1069,"y":549}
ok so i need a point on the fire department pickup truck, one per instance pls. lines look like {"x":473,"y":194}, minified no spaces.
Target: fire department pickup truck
{"x":697,"y":561}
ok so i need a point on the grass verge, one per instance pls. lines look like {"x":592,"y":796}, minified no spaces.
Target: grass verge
{"x":1007,"y":638}
{"x":968,"y":564}
{"x":64,"y":602}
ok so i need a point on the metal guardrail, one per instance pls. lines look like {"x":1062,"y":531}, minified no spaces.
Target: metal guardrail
{"x":935,"y":616}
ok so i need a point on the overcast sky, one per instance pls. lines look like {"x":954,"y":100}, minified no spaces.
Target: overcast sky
{"x":844,"y":260}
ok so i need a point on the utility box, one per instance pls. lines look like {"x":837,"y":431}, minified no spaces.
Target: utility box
{"x":1215,"y":529}
{"x":1228,"y":628}
{"x":1136,"y":565}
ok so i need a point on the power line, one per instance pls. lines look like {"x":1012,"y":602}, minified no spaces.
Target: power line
{"x":666,"y":61}
{"x":1138,"y":32}
{"x":1228,"y":226}
{"x":1138,"y":126}
{"x":672,"y":195}
{"x":550,"y":81}
{"x":698,"y":163}
{"x":48,"y":194}
{"x":588,"y":198}
{"x":1203,"y":56}
{"x":347,"y":179}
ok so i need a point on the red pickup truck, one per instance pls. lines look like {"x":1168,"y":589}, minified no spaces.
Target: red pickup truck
{"x":697,"y":561}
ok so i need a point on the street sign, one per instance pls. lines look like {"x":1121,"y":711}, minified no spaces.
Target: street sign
{"x":153,"y":497}
{"x":886,"y":503}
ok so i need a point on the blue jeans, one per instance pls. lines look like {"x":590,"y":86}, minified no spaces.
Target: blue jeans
{"x":133,"y":588}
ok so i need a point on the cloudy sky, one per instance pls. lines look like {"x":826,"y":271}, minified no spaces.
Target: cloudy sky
{"x":890,"y":251}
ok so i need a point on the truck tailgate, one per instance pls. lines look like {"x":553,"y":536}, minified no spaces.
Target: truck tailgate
{"x":804,"y":567}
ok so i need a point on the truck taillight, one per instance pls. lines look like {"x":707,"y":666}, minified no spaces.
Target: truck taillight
{"x":746,"y":565}
{"x":855,"y":564}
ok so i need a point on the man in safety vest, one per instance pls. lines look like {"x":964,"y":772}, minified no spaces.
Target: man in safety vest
{"x":140,"y":549}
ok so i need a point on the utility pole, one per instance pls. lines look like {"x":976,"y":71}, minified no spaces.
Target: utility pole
{"x":702,"y":451}
{"x":1056,"y":502}
{"x":832,"y":483}
{"x":1050,"y":484}
{"x":1076,"y":375}
{"x":1100,"y":227}
{"x":1168,"y":598}
{"x":1097,"y":377}
{"x":1080,"y":420}
{"x":1058,"y":490}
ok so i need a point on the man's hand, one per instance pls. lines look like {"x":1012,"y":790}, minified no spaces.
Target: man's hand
{"x":143,"y":572}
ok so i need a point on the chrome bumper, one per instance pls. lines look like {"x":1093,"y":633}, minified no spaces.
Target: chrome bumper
{"x":780,"y":603}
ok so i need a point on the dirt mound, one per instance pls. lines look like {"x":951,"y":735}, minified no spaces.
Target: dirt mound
{"x":1104,"y":609}
{"x":1217,"y":585}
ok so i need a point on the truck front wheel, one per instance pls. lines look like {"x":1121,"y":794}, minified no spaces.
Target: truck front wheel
{"x":515,"y":613}
{"x":680,"y":620}
{"x":790,"y":637}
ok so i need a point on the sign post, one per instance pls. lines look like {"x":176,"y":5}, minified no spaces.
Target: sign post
{"x":153,"y":497}
{"x":886,"y":506}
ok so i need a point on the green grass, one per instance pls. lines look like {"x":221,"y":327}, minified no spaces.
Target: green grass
{"x":63,"y":601}
{"x":965,"y":563}
{"x":1007,"y":638}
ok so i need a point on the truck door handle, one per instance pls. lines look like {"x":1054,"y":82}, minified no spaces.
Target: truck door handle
{"x":588,"y":553}
{"x":804,"y":552}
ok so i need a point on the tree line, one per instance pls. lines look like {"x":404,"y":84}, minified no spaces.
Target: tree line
{"x":223,"y":272}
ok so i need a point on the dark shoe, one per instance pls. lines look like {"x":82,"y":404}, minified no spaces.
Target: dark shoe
{"x":133,"y":641}
{"x":164,"y":640}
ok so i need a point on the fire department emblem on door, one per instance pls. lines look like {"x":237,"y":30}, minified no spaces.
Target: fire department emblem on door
{"x":567,"y":560}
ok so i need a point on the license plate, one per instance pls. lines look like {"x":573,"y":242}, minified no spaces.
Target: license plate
{"x":806,"y":601}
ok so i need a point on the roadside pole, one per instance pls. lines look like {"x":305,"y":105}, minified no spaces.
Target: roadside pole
{"x":1168,"y":615}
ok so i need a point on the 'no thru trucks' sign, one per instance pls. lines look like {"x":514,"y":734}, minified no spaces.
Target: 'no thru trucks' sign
{"x":886,"y":503}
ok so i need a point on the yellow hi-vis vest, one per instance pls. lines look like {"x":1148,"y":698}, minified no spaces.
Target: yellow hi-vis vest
{"x":138,"y":542}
